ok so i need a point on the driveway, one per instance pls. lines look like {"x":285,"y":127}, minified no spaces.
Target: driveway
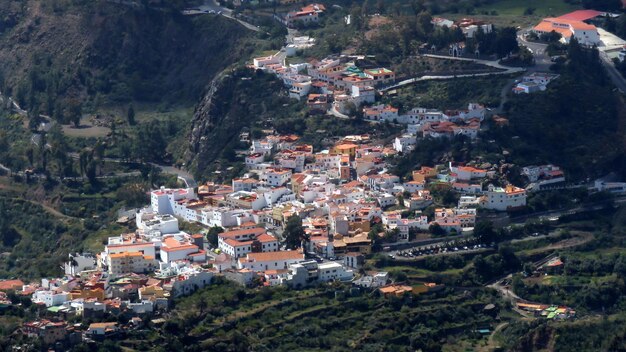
{"x":211,"y":5}
{"x":610,"y":43}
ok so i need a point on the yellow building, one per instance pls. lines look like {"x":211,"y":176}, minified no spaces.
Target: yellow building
{"x":152,"y":293}
{"x":346,"y":149}
{"x":130,"y":262}
{"x":96,"y":293}
{"x":424,"y":174}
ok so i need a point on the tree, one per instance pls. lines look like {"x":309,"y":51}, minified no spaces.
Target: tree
{"x":436,"y":230}
{"x":130,"y":115}
{"x":154,"y":174}
{"x":34,"y":119}
{"x":294,"y":232}
{"x":506,"y":41}
{"x":606,"y":5}
{"x":75,"y":111}
{"x":380,"y":6}
{"x":211,"y":236}
{"x":365,"y":10}
{"x":484,"y":230}
{"x":552,"y":37}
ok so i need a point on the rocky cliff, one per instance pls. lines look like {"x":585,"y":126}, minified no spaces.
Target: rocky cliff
{"x":235,"y":101}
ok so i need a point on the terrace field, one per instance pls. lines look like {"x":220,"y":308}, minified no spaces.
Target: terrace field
{"x":518,"y":13}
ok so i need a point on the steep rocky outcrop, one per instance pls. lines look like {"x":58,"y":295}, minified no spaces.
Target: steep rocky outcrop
{"x":204,"y":123}
{"x":234,"y":101}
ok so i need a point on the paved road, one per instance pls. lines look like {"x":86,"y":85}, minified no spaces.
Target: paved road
{"x":211,"y":5}
{"x":562,"y":212}
{"x":182,"y":175}
{"x":505,"y":71}
{"x":542,"y":60}
{"x":618,"y":80}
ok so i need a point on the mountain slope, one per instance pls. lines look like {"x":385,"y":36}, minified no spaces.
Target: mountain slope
{"x":116,"y":52}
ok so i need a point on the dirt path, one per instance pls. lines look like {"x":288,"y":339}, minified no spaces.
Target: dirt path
{"x":47,"y":208}
{"x":491,"y":343}
{"x":578,"y":239}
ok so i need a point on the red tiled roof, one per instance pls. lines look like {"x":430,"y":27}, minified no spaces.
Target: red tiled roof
{"x":269,"y":256}
{"x":266,"y":238}
{"x":6,"y":285}
{"x":233,"y":233}
{"x":234,"y":243}
{"x":581,"y":15}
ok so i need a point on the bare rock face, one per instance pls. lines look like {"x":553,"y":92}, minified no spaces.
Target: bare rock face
{"x":204,"y":122}
{"x":234,"y":101}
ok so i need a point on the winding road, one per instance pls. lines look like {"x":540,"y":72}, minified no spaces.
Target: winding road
{"x":506,"y":70}
{"x":211,"y":5}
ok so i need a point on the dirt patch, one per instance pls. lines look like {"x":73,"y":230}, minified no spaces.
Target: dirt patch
{"x":86,"y":130}
{"x":374,"y":24}
{"x":578,"y":239}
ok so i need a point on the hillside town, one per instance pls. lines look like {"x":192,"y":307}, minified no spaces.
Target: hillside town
{"x":345,"y":197}
{"x":342,"y":197}
{"x":339,"y":215}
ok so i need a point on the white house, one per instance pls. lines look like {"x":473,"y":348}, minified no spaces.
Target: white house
{"x":255,"y":159}
{"x":50,"y":298}
{"x":406,"y":225}
{"x":102,"y":329}
{"x":261,"y":62}
{"x":502,"y":199}
{"x":245,"y":184}
{"x":276,"y":177}
{"x":404,"y":143}
{"x":585,"y":34}
{"x":381,"y":113}
{"x":269,"y":260}
{"x":467,"y":173}
{"x":148,"y":221}
{"x":162,"y":200}
{"x":176,"y":248}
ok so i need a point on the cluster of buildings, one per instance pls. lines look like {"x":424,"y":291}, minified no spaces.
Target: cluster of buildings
{"x":305,"y":16}
{"x":577,"y":24}
{"x":62,"y":335}
{"x":422,"y":123}
{"x":543,"y":176}
{"x":547,"y":311}
{"x":468,"y":26}
{"x":334,"y":82}
{"x":534,"y":82}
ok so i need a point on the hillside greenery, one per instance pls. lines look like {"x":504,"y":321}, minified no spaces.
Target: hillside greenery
{"x":94,"y":53}
{"x":575,"y":123}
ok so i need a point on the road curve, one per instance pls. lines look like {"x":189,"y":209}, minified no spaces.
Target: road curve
{"x":506,"y":70}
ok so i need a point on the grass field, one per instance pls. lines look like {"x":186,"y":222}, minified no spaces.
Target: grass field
{"x":451,"y":94}
{"x":511,"y":12}
{"x":86,"y":130}
{"x":542,"y":8}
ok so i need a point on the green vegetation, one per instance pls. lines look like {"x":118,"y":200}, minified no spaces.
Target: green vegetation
{"x":516,"y":8}
{"x":36,"y":240}
{"x":93,"y":54}
{"x":514,"y":12}
{"x":574,"y":123}
{"x":331,"y":317}
{"x":451,"y":94}
{"x":589,"y":334}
